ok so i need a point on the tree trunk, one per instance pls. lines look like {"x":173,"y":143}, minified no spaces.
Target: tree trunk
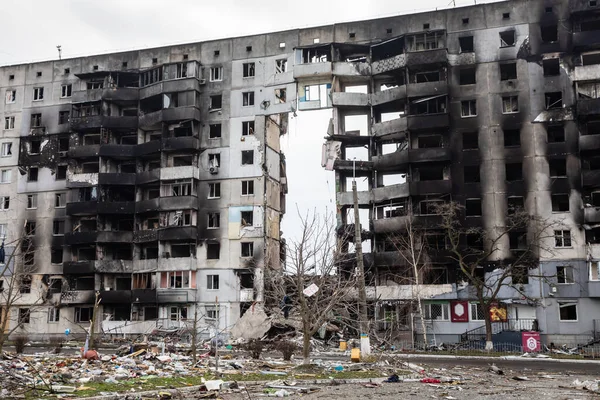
{"x":4,"y":318}
{"x":306,"y":347}
{"x":489,"y":344}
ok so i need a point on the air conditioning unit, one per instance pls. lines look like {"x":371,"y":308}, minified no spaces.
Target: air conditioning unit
{"x":214,"y":170}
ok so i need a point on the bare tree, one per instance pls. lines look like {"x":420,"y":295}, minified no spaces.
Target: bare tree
{"x":483,"y":255}
{"x":310,"y":281}
{"x":16,"y":273}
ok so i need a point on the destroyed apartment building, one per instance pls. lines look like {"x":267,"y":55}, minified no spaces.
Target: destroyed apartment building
{"x":155,"y":177}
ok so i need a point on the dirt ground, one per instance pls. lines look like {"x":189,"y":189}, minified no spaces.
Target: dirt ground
{"x":476,"y":383}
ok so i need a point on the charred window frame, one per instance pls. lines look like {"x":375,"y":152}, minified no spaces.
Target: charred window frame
{"x":471,"y":174}
{"x":24,"y":316}
{"x":562,"y":238}
{"x":214,"y":131}
{"x":214,"y":220}
{"x":507,"y":38}
{"x":213,"y":251}
{"x":508,"y":71}
{"x":247,"y":218}
{"x":216,"y":102}
{"x":555,"y":133}
{"x":551,"y":67}
{"x":549,"y":33}
{"x":470,"y":140}
{"x":466,"y":44}
{"x":557,"y":168}
{"x":512,"y":137}
{"x":32,"y":174}
{"x":36,"y":120}
{"x":468,"y":108}
{"x":553,"y":100}
{"x":60,"y":200}
{"x":247,"y":249}
{"x":520,"y":275}
{"x":560,"y":202}
{"x":515,"y":204}
{"x":517,"y":240}
{"x":473,"y":208}
{"x":467,"y":76}
{"x":510,"y":104}
{"x":514,"y":172}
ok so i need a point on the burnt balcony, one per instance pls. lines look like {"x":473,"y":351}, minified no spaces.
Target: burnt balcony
{"x":431,"y":187}
{"x":391,"y":160}
{"x":431,"y":154}
{"x":388,"y":258}
{"x":591,"y":178}
{"x":351,"y":69}
{"x":587,"y":72}
{"x":115,"y":237}
{"x":84,"y":151}
{"x":388,"y":225}
{"x":170,"y":86}
{"x":113,"y":266}
{"x":82,"y":208}
{"x":586,"y":39}
{"x":349,"y":99}
{"x":150,"y":205}
{"x":388,"y":64}
{"x":152,"y":147}
{"x":145,"y":236}
{"x":145,"y":177}
{"x":178,"y":233}
{"x":588,"y":106}
{"x":428,"y":121}
{"x":116,"y":94}
{"x":116,"y":178}
{"x":436,"y":56}
{"x":72,"y":238}
{"x":350,"y":165}
{"x":95,"y":122}
{"x":176,"y":296}
{"x":187,"y":143}
{"x":79,"y":267}
{"x":427,"y":88}
{"x":591,"y":215}
{"x":589,"y":142}
{"x":390,"y":192}
{"x":78,"y":297}
{"x":115,"y":296}
{"x":175,"y":203}
{"x":313,"y":70}
{"x":154,"y":119}
{"x":145,"y":296}
{"x":116,"y":207}
{"x":389,"y":95}
{"x":394,"y":129}
{"x":118,"y":151}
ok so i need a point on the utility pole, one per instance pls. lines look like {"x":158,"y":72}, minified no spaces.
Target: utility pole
{"x":217,"y":335}
{"x":365,"y":344}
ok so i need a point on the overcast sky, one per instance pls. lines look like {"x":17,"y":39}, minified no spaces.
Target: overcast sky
{"x":33,"y":28}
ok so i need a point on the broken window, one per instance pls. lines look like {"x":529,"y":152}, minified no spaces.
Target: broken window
{"x":183,"y":250}
{"x":508,"y":71}
{"x":507,"y":39}
{"x":177,"y":279}
{"x":247,"y":157}
{"x":425,"y":76}
{"x":430,"y":207}
{"x":178,"y":313}
{"x":247,"y":99}
{"x":520,"y":275}
{"x":247,"y":188}
{"x":4,"y":202}
{"x":549,"y":33}
{"x":281,"y":66}
{"x":38,"y":93}
{"x":11,"y":96}
{"x":247,"y":281}
{"x":93,"y":85}
{"x":32,"y":174}
{"x":567,"y":311}
{"x":468,"y":108}
{"x":316,"y":55}
{"x":31,"y":201}
{"x":61,"y":173}
{"x":34,"y":146}
{"x":430,"y":141}
{"x":60,"y":200}
{"x":471,"y":174}
{"x":558,"y":168}
{"x":473,"y":207}
{"x":182,"y":69}
{"x":517,"y":240}
{"x":212,"y":251}
{"x":247,"y":249}
{"x":248,"y":70}
{"x":426,"y":41}
{"x":247,"y":218}
{"x":510,"y":104}
{"x":467,"y":76}
{"x":83,"y":314}
{"x":556,"y":133}
{"x":515,"y":204}
{"x":560,"y":202}
{"x":514,"y":172}
{"x":6,"y":149}
{"x":212,"y":282}
{"x":214,"y":190}
{"x":247,"y":128}
{"x":63,"y":117}
{"x":214,"y":220}
{"x":66,"y":90}
{"x":25,"y":284}
{"x":512,"y":137}
{"x":58,"y":227}
{"x":428,"y":105}
{"x":216,"y":102}
{"x":216,"y":74}
{"x":564,"y":275}
{"x":178,"y":188}
{"x":280,"y":95}
{"x":431,"y":173}
{"x":36,"y":120}
{"x":142,"y":281}
{"x":9,"y":123}
{"x":553,"y":100}
{"x":562,"y":238}
{"x":24,"y":315}
{"x":214,"y":131}
{"x":590,"y":58}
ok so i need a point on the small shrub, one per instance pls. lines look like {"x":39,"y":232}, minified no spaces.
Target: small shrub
{"x":255,"y":347}
{"x":287,"y":349}
{"x":57,"y":344}
{"x":20,"y":342}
